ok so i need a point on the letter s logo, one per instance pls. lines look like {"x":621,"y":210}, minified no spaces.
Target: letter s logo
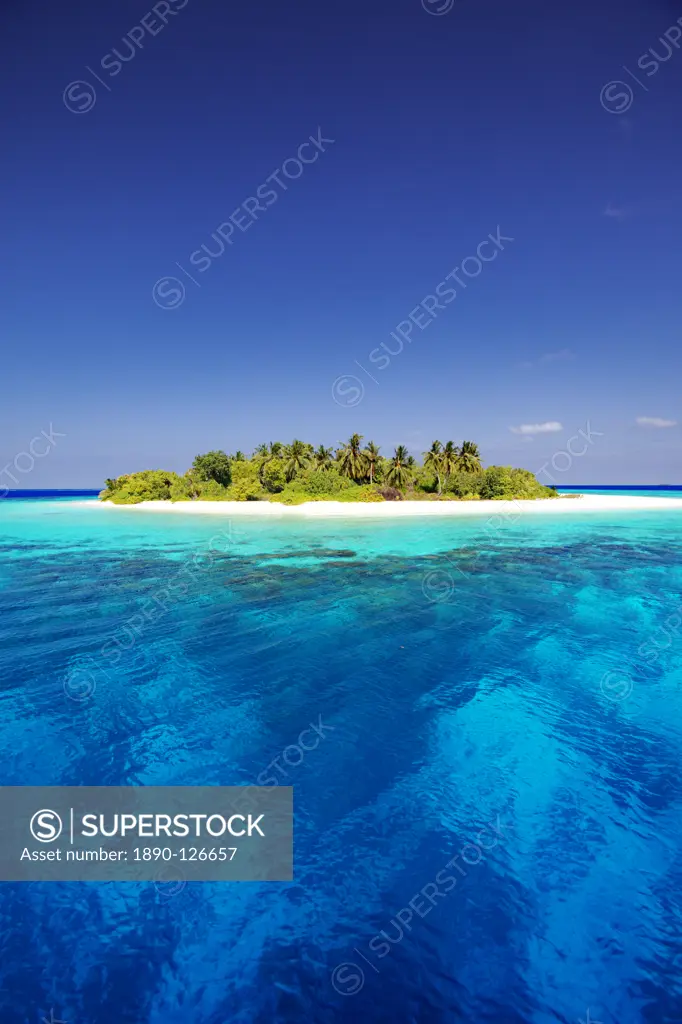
{"x":643,"y":63}
{"x":79,"y":97}
{"x":46,"y":826}
{"x":348,"y":390}
{"x":168,"y":293}
{"x":616,"y":100}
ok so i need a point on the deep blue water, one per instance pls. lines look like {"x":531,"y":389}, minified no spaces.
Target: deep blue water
{"x":35,"y":495}
{"x":505,"y":700}
{"x":645,"y":491}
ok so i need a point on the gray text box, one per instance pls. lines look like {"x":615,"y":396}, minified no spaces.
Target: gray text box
{"x":146,"y":833}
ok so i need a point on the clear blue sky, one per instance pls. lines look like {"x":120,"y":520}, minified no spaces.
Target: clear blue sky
{"x":446,"y":126}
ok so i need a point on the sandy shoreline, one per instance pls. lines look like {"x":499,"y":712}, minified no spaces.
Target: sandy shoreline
{"x":401,"y":509}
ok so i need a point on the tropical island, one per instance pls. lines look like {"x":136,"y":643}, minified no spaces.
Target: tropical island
{"x":296,"y":473}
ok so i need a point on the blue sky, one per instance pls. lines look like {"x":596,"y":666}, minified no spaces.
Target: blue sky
{"x":450,"y":121}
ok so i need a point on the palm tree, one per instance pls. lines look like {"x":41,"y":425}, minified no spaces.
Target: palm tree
{"x":469,"y":460}
{"x":433,"y":460}
{"x":323,"y":457}
{"x":450,"y":457}
{"x":193,"y":488}
{"x":239,"y":456}
{"x":296,"y":458}
{"x":260,"y":456}
{"x":371,"y":454}
{"x":266,"y":453}
{"x":398,"y":472}
{"x":412,"y":466}
{"x":352,"y":461}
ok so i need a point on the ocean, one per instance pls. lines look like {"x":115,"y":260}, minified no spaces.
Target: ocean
{"x":489,"y":829}
{"x":661,"y":491}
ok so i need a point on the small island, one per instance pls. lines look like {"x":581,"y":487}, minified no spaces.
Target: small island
{"x":297,"y":473}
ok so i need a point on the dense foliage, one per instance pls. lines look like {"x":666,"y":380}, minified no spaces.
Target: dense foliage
{"x":150,"y":485}
{"x":213,"y":466}
{"x":297,"y":472}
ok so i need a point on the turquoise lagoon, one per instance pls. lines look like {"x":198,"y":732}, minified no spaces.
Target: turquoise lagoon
{"x":501,"y":707}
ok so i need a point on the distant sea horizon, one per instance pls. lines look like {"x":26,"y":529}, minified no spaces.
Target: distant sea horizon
{"x":645,"y":490}
{"x":56,"y":493}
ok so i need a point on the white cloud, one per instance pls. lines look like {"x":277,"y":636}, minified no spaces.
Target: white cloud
{"x":548,"y":357}
{"x":557,"y":357}
{"x":537,"y":428}
{"x":655,"y":421}
{"x":616,"y":212}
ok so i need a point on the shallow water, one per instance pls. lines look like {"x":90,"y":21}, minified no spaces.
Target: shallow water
{"x":482,"y":702}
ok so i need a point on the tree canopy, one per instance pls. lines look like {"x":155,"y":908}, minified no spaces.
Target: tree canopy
{"x":297,"y":472}
{"x":213,"y":466}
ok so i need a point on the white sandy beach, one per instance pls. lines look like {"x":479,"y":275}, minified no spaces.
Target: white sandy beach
{"x":583,"y":503}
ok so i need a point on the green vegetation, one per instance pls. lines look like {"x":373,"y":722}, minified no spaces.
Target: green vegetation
{"x":213,"y":466}
{"x":150,"y":485}
{"x":295,"y":473}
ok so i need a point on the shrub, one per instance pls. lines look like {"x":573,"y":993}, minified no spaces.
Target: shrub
{"x":274,"y":478}
{"x":183,"y":490}
{"x":325,"y":485}
{"x":418,"y":495}
{"x":391,"y":494}
{"x":318,"y":485}
{"x":186,"y":488}
{"x":211,"y":490}
{"x":366,"y":492}
{"x":504,"y":483}
{"x":497,"y":482}
{"x":324,"y":481}
{"x":149,"y":485}
{"x":213,"y":466}
{"x":461,"y":483}
{"x":292,"y":498}
{"x":245,"y":484}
